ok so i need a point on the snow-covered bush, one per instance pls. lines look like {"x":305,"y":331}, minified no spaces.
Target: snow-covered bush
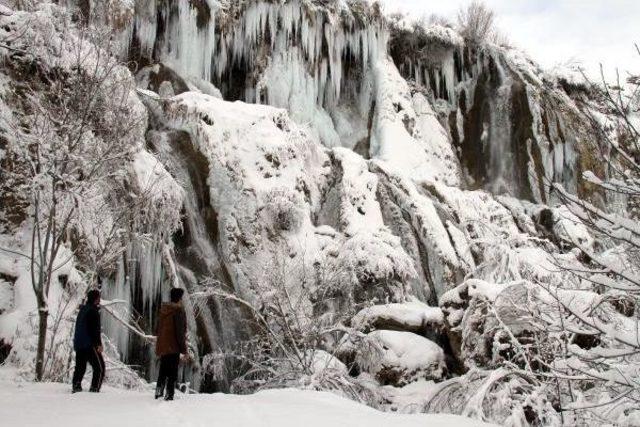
{"x":498,"y":324}
{"x":423,"y":32}
{"x":295,"y":337}
{"x":284,"y":211}
{"x":509,"y":398}
{"x":159,"y":198}
{"x":375,"y":265}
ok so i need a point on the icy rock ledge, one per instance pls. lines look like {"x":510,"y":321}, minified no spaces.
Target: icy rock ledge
{"x":413,"y":316}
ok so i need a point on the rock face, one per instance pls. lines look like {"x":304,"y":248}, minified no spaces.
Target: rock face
{"x":329,"y":148}
{"x":513,"y":126}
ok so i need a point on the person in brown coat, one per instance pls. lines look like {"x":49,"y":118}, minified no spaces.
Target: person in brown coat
{"x":171,"y":342}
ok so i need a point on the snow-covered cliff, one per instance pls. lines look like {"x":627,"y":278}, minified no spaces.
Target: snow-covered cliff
{"x":317,"y":136}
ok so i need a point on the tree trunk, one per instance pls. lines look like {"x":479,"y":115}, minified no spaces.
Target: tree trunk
{"x":43,"y":317}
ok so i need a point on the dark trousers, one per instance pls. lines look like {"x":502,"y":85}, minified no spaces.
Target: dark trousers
{"x":96,"y":361}
{"x":168,"y":374}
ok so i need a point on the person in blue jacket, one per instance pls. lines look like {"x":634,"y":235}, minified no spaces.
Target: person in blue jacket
{"x":87,"y":343}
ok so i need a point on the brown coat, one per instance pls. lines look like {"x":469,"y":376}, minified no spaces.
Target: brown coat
{"x":172,"y":330}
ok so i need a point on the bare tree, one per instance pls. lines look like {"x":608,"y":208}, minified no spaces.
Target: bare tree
{"x":67,"y":158}
{"x":476,"y":22}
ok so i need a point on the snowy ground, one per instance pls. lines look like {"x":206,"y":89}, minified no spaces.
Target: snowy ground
{"x":28,"y":404}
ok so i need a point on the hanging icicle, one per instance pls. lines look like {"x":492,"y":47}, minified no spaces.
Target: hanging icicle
{"x":189,"y":43}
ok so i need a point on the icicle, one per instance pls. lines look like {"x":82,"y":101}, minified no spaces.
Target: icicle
{"x":322,"y":81}
{"x":194,"y":49}
{"x":501,"y":71}
{"x":449,"y":75}
{"x":146,"y":26}
{"x":118,"y":290}
{"x":186,"y":47}
{"x":501,"y":161}
{"x":147,"y":257}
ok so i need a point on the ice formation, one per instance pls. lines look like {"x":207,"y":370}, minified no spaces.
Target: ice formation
{"x":199,"y":41}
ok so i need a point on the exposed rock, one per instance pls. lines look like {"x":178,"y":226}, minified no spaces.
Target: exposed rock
{"x":162,"y":80}
{"x":6,"y":292}
{"x":5,"y":350}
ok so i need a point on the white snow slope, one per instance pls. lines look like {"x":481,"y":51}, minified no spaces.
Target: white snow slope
{"x":28,"y":404}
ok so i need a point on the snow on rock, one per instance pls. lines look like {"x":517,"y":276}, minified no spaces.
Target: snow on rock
{"x":522,"y":63}
{"x":477,"y":211}
{"x":406,"y":133}
{"x":323,"y":363}
{"x":479,"y":288}
{"x":249,"y":146}
{"x":570,"y":229}
{"x":493,"y":235}
{"x":154,"y":181}
{"x":523,"y":213}
{"x":265,"y":176}
{"x":399,"y":358}
{"x":161,"y":79}
{"x":428,"y":234}
{"x":268,"y":178}
{"x":413,"y":316}
{"x":359,"y":207}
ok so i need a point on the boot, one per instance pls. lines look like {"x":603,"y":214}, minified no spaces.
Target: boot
{"x":94,"y":390}
{"x":159,"y":391}
{"x":170,"y":393}
{"x":77,"y":388}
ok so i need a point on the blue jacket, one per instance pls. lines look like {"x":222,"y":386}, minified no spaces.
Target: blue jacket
{"x":88,"y":332}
